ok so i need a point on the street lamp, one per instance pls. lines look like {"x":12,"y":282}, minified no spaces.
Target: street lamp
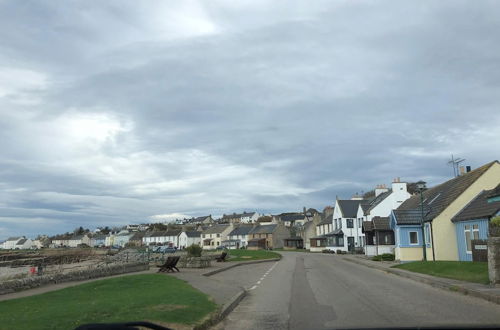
{"x":421,"y":187}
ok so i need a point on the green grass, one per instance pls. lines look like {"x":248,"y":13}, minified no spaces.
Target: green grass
{"x":457,"y":270}
{"x":153,"y":297}
{"x":245,"y":255}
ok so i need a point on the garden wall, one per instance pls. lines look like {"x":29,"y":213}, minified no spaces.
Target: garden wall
{"x":79,"y":275}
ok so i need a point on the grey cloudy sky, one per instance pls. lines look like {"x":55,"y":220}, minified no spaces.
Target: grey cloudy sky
{"x":115,"y":112}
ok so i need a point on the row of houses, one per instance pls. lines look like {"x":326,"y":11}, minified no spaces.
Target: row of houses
{"x":446,"y":219}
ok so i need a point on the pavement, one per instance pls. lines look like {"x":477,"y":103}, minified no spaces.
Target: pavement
{"x":317,"y":291}
{"x":486,"y":292}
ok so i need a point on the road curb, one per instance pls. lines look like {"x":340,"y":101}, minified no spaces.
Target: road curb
{"x":213,"y":272}
{"x":432,"y":281}
{"x":220,"y":314}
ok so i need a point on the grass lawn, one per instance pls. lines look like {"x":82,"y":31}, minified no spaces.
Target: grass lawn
{"x":242,"y":255}
{"x":153,"y":297}
{"x":457,"y":270}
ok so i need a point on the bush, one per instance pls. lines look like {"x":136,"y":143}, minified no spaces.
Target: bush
{"x":384,"y":257}
{"x":388,"y":257}
{"x":495,"y":221}
{"x":194,"y":250}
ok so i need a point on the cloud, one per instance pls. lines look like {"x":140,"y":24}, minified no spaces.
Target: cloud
{"x":117,"y":113}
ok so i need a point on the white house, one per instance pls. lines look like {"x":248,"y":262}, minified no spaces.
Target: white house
{"x":238,"y":237}
{"x":249,"y":217}
{"x":169,"y":237}
{"x":76,"y":240}
{"x":23,"y":244}
{"x":188,"y":238}
{"x":381,"y":207}
{"x":122,"y":238}
{"x":11,"y":242}
{"x":347,"y":234}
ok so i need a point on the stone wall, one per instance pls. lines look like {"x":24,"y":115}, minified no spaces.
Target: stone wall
{"x":494,"y":260}
{"x":79,"y":275}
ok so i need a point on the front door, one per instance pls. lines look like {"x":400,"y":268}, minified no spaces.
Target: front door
{"x":350,"y":243}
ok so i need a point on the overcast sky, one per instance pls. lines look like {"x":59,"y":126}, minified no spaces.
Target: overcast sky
{"x":121,"y":112}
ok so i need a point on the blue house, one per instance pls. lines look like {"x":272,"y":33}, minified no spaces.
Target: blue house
{"x":407,"y":228}
{"x":472,"y":221}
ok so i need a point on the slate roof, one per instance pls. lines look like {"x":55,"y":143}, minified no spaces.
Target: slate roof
{"x":193,"y":233}
{"x":328,"y":220}
{"x":241,"y":230}
{"x":408,"y":217}
{"x":335,"y":232}
{"x":478,"y":208}
{"x":137,"y":236}
{"x":494,"y":192}
{"x":14,"y":238}
{"x":367,"y":226}
{"x":438,"y":198}
{"x":22,"y":241}
{"x":215,"y":229}
{"x":377,"y":200}
{"x":381,"y":223}
{"x":174,"y":232}
{"x":263,"y":229}
{"x":349,"y":207}
{"x":365,"y":208}
{"x":292,"y":217}
{"x":76,"y":237}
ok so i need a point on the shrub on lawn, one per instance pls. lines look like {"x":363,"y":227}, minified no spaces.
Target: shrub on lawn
{"x":384,"y":257}
{"x":194,"y":250}
{"x":388,"y":257}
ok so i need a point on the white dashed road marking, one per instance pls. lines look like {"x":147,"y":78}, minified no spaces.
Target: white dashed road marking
{"x":263,"y":277}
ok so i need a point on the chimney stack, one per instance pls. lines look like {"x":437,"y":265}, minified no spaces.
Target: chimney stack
{"x":462,"y":170}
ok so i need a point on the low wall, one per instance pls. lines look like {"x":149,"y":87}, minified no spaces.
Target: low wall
{"x":494,"y":260}
{"x":79,"y":275}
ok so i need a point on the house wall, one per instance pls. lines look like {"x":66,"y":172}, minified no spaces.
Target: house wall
{"x":408,"y":254}
{"x":279,"y":234}
{"x":403,"y":239}
{"x":445,"y":243}
{"x":392,"y":202}
{"x":460,"y":233}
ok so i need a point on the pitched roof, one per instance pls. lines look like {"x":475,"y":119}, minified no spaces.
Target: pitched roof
{"x":381,"y":223}
{"x":438,"y":198}
{"x":349,"y":207}
{"x":263,"y":229}
{"x":292,"y":217}
{"x":365,"y":208}
{"x":137,"y":236}
{"x":377,"y":200}
{"x":241,"y":230}
{"x":22,"y":241}
{"x":478,"y":208}
{"x":328,"y":220}
{"x":367,"y":226}
{"x":215,"y":229}
{"x":337,"y":231}
{"x":193,"y":233}
{"x":14,"y":238}
{"x":408,"y":217}
{"x":494,"y":192}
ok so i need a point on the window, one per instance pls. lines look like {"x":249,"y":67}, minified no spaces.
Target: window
{"x":413,"y":237}
{"x":471,"y":232}
{"x":350,"y":223}
{"x":218,"y":235}
{"x":360,"y":222}
{"x":340,"y":224}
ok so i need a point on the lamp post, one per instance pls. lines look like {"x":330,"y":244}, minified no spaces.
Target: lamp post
{"x":421,"y":187}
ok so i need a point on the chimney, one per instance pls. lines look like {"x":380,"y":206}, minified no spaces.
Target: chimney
{"x":462,"y":170}
{"x":468,"y":169}
{"x":380,"y":189}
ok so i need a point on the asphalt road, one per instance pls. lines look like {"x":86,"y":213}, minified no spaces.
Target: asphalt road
{"x":315,"y":291}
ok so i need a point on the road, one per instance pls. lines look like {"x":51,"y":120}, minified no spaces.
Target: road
{"x":315,"y":291}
